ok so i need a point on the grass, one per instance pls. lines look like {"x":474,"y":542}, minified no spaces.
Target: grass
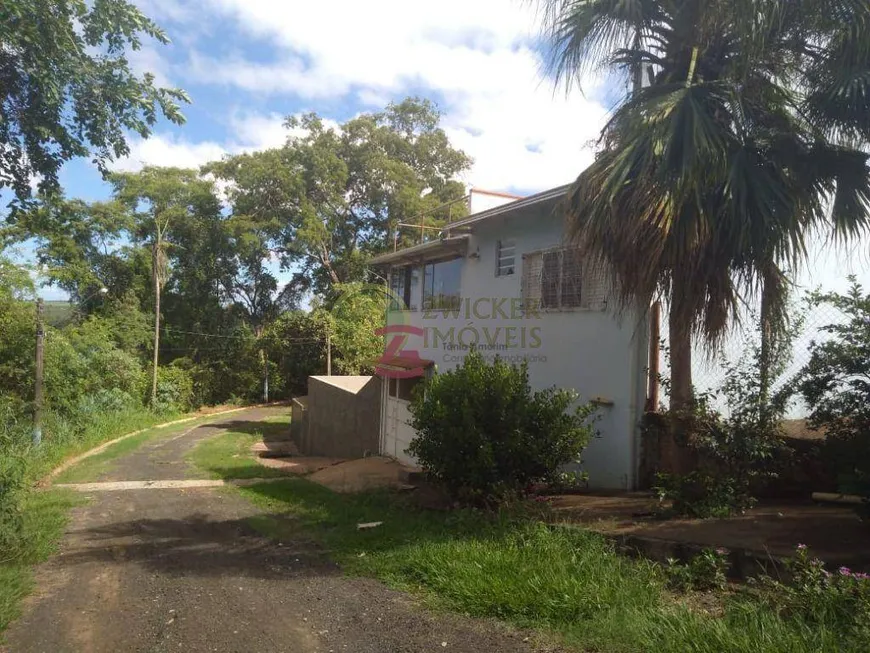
{"x":44,"y":517}
{"x":228,"y":456}
{"x":518,"y":569}
{"x":91,"y":468}
{"x":44,"y":513}
{"x":63,"y":442}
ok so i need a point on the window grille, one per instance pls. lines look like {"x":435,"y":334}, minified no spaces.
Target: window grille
{"x":559,"y":279}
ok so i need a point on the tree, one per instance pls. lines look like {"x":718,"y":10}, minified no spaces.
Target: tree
{"x":835,"y":384}
{"x":709,"y":177}
{"x":162,"y":199}
{"x":73,"y":242}
{"x":67,"y":88}
{"x":337,"y":193}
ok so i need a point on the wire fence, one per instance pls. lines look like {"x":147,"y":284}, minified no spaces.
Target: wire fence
{"x":708,"y":372}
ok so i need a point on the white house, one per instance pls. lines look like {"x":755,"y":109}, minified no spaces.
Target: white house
{"x":503,"y":280}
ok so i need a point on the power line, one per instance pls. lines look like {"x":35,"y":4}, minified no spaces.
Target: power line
{"x":218,"y":335}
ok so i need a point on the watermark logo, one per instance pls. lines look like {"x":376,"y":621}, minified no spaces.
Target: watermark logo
{"x":445,"y":330}
{"x":394,"y":360}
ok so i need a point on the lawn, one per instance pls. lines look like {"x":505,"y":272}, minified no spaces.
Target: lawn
{"x":92,"y":467}
{"x":516,"y":567}
{"x":228,"y":456}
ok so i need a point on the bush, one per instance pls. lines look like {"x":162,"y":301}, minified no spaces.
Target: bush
{"x":818,"y":596}
{"x":13,"y":483}
{"x":705,"y":572}
{"x":174,"y":388}
{"x":834,"y":385}
{"x":738,"y":452}
{"x":487,"y":437}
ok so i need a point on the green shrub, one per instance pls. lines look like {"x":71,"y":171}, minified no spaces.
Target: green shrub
{"x":737,"y":452}
{"x":486,"y":436}
{"x":13,"y":467}
{"x":820,"y":597}
{"x":174,"y":388}
{"x":704,"y":572}
{"x":834,"y":386}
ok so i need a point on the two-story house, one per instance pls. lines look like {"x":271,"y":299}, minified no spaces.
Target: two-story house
{"x":504,"y":280}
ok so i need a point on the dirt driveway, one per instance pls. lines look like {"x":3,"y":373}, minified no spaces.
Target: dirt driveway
{"x":164,"y":570}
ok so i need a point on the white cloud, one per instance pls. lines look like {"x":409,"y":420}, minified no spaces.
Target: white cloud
{"x":248,"y":132}
{"x":253,"y":131}
{"x":478,"y":56}
{"x":168,"y":150}
{"x":148,"y":59}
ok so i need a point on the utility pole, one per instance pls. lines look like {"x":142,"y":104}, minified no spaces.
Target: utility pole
{"x":37,"y":393}
{"x":328,"y":353}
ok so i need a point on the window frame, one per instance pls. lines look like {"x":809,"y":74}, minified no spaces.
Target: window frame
{"x":552,"y":296}
{"x":501,"y":269}
{"x":405,"y":274}
{"x":459,"y":261}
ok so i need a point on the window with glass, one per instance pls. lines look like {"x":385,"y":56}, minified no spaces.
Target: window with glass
{"x":441,"y":283}
{"x":505,"y":256}
{"x":403,"y":281}
{"x":557,"y":279}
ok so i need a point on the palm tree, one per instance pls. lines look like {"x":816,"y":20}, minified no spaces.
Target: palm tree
{"x":711,"y":174}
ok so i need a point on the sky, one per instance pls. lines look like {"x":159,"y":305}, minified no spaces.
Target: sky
{"x":248,"y":64}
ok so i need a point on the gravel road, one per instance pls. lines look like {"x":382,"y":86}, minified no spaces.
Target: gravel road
{"x":162,"y":570}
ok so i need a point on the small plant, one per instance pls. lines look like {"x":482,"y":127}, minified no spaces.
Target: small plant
{"x":735,"y":452}
{"x":819,"y":596}
{"x":702,"y":495}
{"x":834,"y":385}
{"x":706,"y":571}
{"x":488,"y":437}
{"x":573,"y":481}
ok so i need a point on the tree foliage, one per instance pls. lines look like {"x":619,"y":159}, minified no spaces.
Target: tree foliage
{"x":68,"y":90}
{"x":224,"y":317}
{"x":335,"y":193}
{"x":710,"y":174}
{"x":835,"y":384}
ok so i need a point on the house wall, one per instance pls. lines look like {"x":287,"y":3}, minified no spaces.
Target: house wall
{"x":343,"y":416}
{"x":590,"y":350}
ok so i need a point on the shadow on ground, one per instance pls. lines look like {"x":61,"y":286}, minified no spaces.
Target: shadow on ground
{"x":308,"y":527}
{"x":270,"y":431}
{"x":196,"y":545}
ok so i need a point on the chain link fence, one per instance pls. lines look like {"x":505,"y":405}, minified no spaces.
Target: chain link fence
{"x":708,"y":372}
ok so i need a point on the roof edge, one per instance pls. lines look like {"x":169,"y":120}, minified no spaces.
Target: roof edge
{"x":531,"y":200}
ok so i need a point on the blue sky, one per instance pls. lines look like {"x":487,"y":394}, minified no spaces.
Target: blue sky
{"x":247,"y":64}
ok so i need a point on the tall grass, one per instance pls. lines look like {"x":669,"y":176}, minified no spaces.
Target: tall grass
{"x":31,"y":521}
{"x":511,"y":566}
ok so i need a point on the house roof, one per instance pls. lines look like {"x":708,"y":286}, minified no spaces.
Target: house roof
{"x":425,"y":251}
{"x":451,"y":244}
{"x":531,"y":200}
{"x":402,"y":363}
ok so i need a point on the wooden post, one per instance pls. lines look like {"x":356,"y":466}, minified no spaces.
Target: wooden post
{"x":38,"y":389}
{"x":156,"y":333}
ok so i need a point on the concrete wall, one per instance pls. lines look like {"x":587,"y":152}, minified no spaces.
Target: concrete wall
{"x":299,"y":422}
{"x":590,"y":350}
{"x":343,"y":416}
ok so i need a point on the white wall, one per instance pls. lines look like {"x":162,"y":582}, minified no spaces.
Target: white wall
{"x":479,"y":201}
{"x":587,"y":350}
